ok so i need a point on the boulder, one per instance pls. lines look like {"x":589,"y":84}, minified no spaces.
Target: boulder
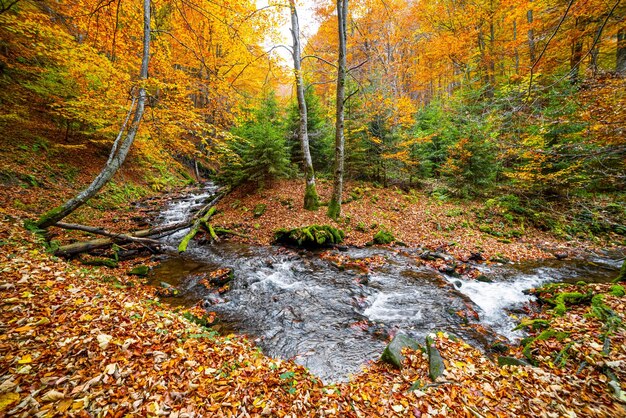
{"x":393,"y":352}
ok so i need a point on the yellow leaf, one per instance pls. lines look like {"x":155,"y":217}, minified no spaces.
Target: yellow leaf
{"x":7,"y":400}
{"x":24,"y":328}
{"x":43,"y":321}
{"x":25,"y":360}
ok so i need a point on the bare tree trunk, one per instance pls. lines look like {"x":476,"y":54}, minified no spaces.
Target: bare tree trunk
{"x":334,"y":207}
{"x":620,"y":66}
{"x":531,"y":36}
{"x":120,"y":148}
{"x":311,"y":200}
{"x":577,"y":51}
{"x":516,"y":52}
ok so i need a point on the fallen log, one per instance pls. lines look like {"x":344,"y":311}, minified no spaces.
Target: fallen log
{"x":137,"y":237}
{"x":202,"y":219}
{"x":182,"y":247}
{"x":219,"y":230}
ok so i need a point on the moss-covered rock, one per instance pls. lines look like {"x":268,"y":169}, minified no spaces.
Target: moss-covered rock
{"x":384,"y":237}
{"x":511,"y":361}
{"x":309,"y":236}
{"x":100,"y":262}
{"x":393,"y":352}
{"x":259,"y":210}
{"x":141,"y":271}
{"x":569,"y":298}
{"x":436,"y":367}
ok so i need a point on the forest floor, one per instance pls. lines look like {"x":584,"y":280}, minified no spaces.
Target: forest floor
{"x":83,"y":341}
{"x":415,"y":218}
{"x":93,"y":341}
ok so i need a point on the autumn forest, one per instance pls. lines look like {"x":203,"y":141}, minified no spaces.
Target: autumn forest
{"x":289,"y":208}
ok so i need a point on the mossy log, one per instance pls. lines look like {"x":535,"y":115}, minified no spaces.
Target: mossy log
{"x":138,"y":237}
{"x":309,"y":236}
{"x":182,"y":247}
{"x":223,"y":231}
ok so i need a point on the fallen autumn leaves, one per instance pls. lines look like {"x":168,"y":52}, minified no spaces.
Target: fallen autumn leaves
{"x":73,"y":344}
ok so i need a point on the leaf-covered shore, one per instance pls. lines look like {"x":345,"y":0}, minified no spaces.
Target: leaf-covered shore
{"x":79,"y":341}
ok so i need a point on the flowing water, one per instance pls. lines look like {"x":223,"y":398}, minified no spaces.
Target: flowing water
{"x":299,"y":305}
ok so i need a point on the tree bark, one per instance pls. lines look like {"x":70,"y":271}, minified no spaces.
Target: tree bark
{"x":81,"y":247}
{"x":620,"y":66}
{"x":577,"y":51}
{"x":311,"y":199}
{"x":120,"y":147}
{"x":531,"y":36}
{"x":334,"y":207}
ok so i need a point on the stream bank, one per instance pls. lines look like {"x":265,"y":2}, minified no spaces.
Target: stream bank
{"x":333,"y":311}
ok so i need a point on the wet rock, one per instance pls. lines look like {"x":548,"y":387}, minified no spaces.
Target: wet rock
{"x":477,"y":256}
{"x":393,"y":352}
{"x":483,"y":279}
{"x":433,"y":255}
{"x":511,"y":361}
{"x":449,"y":270}
{"x":499,"y":347}
{"x":501,"y":260}
{"x":141,"y":271}
{"x":364,"y":280}
{"x":435,"y":361}
{"x":221,"y":276}
{"x":458,"y":283}
{"x":167,"y":290}
{"x":561,"y":255}
{"x":213,"y":299}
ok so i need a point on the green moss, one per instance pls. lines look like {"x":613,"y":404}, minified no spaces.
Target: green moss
{"x":334,"y":209}
{"x":104,"y":262}
{"x":47,"y":219}
{"x":139,"y":271}
{"x":309,"y":236}
{"x":600,"y":310}
{"x":259,"y":210}
{"x":571,"y":298}
{"x":618,"y":291}
{"x":532,"y":324}
{"x":311,"y":199}
{"x":383,"y":237}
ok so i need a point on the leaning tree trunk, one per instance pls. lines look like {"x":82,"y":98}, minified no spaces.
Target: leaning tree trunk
{"x":311,"y":200}
{"x":334,"y":207}
{"x":120,"y":148}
